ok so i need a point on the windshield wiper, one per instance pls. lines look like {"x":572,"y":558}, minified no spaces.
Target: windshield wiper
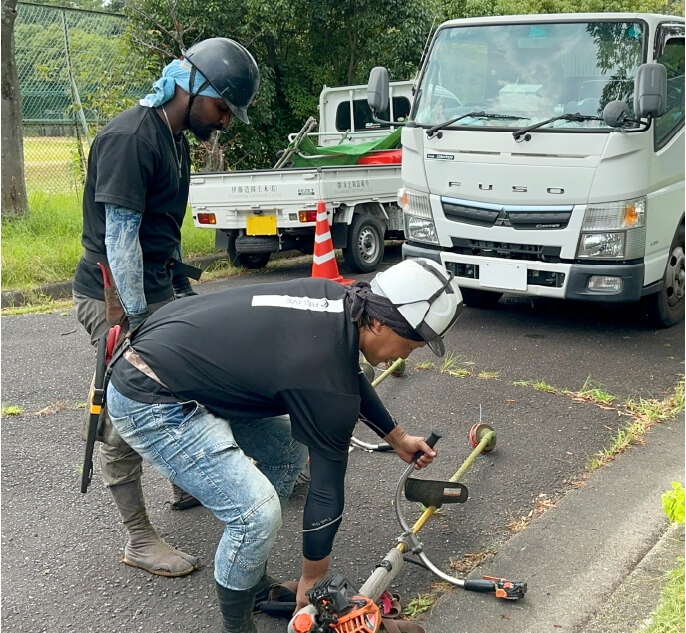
{"x":576,"y":116}
{"x":475,"y":115}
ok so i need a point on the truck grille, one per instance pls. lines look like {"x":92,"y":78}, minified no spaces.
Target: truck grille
{"x":506,"y":250}
{"x":517,"y":217}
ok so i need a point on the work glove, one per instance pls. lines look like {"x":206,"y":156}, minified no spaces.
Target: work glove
{"x":136,"y":319}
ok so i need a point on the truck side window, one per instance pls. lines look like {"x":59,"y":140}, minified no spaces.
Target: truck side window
{"x":673,"y":118}
{"x":363,"y":115}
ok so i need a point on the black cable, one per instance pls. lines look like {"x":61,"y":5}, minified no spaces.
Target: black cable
{"x":414,"y":561}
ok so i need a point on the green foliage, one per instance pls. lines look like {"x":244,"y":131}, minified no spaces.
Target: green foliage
{"x":450,"y":9}
{"x":669,"y":615}
{"x":97,"y":63}
{"x":11,"y":410}
{"x":45,"y":246}
{"x":673,"y":502}
{"x":419,"y":605}
{"x":300,"y":46}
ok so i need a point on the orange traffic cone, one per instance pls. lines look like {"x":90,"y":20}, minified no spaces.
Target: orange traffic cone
{"x":323,"y":258}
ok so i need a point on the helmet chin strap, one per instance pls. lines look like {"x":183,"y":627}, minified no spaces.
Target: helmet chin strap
{"x":192,"y":95}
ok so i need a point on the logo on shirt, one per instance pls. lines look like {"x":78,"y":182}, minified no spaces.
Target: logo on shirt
{"x":307,"y":303}
{"x":313,"y":304}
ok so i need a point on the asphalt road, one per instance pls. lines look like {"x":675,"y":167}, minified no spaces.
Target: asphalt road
{"x":61,"y":549}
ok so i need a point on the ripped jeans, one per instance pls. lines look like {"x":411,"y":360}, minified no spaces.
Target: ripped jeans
{"x":208,"y":457}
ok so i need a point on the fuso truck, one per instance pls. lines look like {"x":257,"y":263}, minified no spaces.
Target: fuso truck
{"x":544,"y":156}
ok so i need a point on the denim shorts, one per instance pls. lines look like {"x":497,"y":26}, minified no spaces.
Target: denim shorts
{"x":210,"y":458}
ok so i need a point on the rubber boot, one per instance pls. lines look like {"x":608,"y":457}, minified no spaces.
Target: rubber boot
{"x":263,"y":586}
{"x":145,"y":549}
{"x":181,"y":500}
{"x":236,"y":608}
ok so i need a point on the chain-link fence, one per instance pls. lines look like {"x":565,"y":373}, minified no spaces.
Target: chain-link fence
{"x":74,"y":75}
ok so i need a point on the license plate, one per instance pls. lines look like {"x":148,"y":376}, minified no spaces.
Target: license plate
{"x":503,"y":276}
{"x":261,"y":225}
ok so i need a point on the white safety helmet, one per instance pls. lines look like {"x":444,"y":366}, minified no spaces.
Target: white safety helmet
{"x":425,"y":294}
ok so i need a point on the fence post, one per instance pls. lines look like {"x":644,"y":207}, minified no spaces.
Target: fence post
{"x":76,"y":100}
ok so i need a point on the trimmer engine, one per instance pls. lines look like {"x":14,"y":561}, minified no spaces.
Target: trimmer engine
{"x":335,"y":606}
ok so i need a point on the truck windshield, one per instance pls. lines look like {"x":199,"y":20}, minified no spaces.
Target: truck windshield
{"x":534,"y":71}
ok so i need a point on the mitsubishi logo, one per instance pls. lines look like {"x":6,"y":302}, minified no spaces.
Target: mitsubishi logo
{"x":503,"y":220}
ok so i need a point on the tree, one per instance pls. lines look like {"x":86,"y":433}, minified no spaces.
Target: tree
{"x":13,"y":185}
{"x":299,"y":45}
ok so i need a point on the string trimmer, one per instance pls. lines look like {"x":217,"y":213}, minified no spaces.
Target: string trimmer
{"x":335,"y":606}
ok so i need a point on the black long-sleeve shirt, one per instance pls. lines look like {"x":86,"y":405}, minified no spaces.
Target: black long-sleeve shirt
{"x":265,"y":350}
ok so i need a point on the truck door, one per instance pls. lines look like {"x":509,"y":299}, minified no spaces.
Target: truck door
{"x":666,"y":199}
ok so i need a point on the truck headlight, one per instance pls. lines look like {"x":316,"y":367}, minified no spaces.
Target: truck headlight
{"x":419,"y":221}
{"x":614,"y":230}
{"x":420,"y":229}
{"x":596,"y":245}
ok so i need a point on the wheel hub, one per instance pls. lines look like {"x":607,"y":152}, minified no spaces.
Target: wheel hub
{"x":675,"y":277}
{"x":367,"y":245}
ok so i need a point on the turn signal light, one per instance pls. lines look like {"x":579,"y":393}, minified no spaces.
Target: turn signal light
{"x":206,"y":218}
{"x":307,"y":216}
{"x":631,"y":215}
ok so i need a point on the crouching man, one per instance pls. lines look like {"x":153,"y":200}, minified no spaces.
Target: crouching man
{"x":267,"y":372}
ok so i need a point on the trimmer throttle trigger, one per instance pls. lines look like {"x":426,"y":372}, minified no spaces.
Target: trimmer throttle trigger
{"x":431,"y":441}
{"x":505,"y":589}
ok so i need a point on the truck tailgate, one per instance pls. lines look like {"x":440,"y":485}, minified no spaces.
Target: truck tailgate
{"x":291,"y":189}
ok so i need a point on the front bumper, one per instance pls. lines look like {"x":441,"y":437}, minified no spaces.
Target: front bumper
{"x":536,"y":278}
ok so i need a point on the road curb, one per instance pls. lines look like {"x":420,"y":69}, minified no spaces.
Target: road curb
{"x":578,"y":556}
{"x":62,"y":289}
{"x":624,"y":611}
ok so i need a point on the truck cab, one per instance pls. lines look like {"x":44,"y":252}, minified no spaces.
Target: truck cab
{"x":544,"y":156}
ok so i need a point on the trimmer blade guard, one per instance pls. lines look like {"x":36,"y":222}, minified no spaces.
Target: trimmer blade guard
{"x":435,"y":493}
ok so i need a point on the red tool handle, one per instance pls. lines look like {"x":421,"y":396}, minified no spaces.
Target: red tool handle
{"x":112,"y":338}
{"x":107,"y":280}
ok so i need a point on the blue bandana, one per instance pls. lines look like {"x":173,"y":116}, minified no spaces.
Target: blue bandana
{"x":178,"y":73}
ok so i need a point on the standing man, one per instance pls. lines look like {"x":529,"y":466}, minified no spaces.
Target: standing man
{"x":133,"y":205}
{"x":266,"y":372}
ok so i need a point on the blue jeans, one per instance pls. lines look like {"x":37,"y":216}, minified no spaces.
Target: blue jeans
{"x":208,"y":457}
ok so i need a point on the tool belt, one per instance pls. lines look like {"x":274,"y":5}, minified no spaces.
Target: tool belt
{"x":175,"y":265}
{"x":114,"y":310}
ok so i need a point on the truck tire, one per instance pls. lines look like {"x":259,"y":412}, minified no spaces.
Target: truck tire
{"x":666,"y":307}
{"x":245,"y":260}
{"x":480,"y":298}
{"x":365,"y":245}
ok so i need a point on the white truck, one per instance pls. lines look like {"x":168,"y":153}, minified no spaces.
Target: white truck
{"x":263,"y":211}
{"x":544,"y":156}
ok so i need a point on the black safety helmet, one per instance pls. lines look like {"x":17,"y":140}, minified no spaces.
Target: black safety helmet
{"x":230,"y":69}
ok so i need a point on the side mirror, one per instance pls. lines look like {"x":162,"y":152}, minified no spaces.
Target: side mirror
{"x":615,"y":113}
{"x":650,"y":90}
{"x":377,"y":89}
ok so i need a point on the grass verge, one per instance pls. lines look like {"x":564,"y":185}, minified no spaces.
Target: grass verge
{"x":45,"y":246}
{"x":669,"y":615}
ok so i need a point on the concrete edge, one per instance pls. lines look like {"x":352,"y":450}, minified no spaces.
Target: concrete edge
{"x":578,"y":555}
{"x":623,"y":611}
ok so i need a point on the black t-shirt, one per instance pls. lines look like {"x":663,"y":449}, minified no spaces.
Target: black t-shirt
{"x":133,"y":164}
{"x":261,"y":351}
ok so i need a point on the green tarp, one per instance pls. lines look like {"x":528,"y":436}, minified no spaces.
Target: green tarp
{"x":346,"y":154}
